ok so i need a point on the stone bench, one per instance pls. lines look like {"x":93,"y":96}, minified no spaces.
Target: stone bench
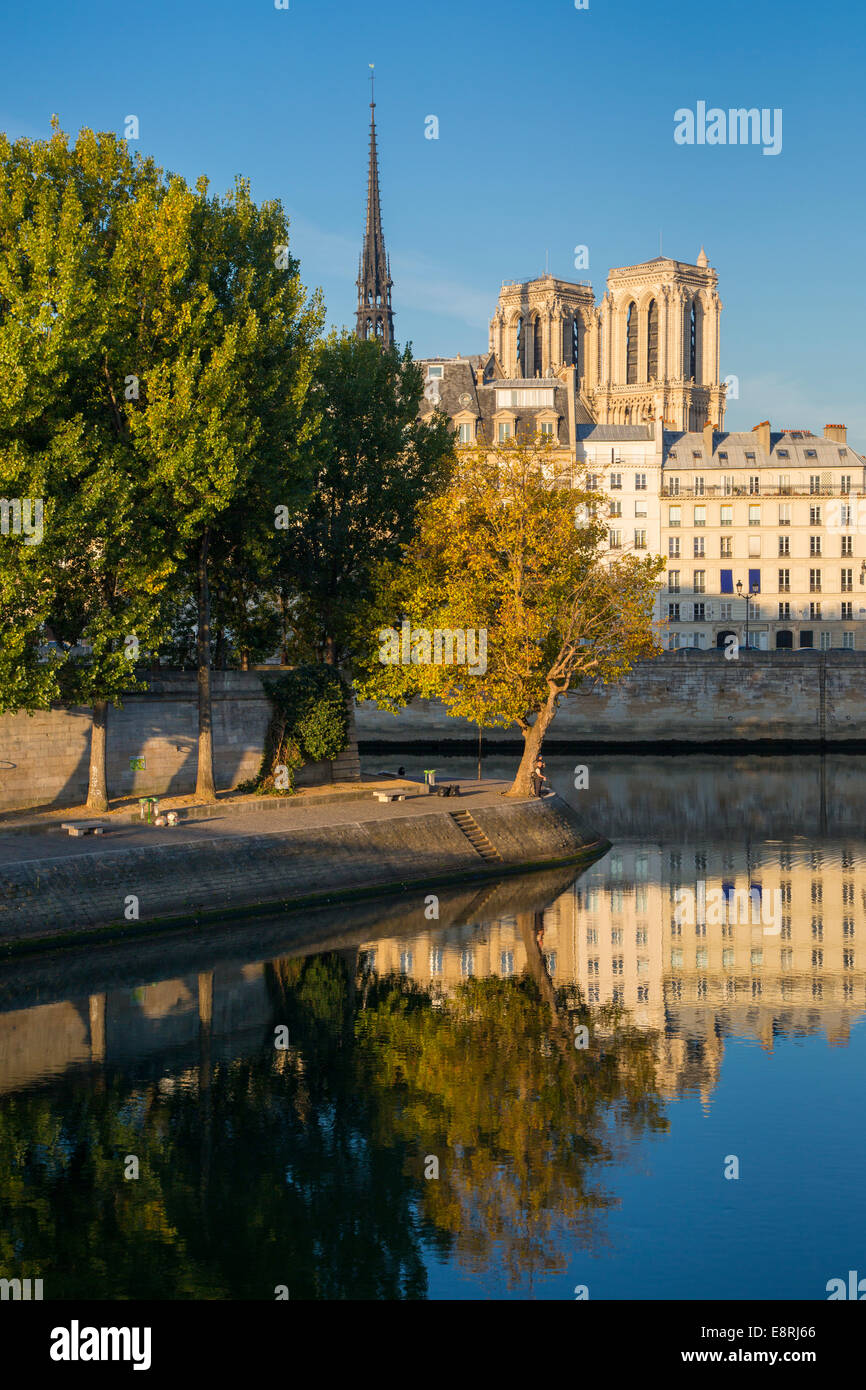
{"x":83,"y":827}
{"x":390,"y":796}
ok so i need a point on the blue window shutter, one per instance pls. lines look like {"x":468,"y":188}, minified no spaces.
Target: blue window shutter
{"x":755,"y":581}
{"x":727,"y":581}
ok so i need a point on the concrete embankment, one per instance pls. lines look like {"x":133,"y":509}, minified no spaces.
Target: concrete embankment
{"x":109,"y":892}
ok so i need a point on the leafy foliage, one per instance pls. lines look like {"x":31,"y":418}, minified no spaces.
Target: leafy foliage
{"x":514,"y":551}
{"x":310,"y":722}
{"x":373,"y":461}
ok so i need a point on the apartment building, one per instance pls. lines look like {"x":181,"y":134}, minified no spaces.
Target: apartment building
{"x":763,"y":537}
{"x":763,"y":531}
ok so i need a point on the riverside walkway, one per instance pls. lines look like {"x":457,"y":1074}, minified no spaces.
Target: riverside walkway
{"x":30,"y":837}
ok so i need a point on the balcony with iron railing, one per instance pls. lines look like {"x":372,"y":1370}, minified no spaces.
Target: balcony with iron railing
{"x":795,"y":490}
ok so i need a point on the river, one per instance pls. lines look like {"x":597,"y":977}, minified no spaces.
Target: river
{"x":645,"y":1081}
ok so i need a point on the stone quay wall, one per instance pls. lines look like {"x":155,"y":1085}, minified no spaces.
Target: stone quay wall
{"x":49,"y":751}
{"x":685,"y":698}
{"x":50,"y":898}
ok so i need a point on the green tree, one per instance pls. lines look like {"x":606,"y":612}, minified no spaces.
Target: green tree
{"x":227,"y":424}
{"x":86,"y":233}
{"x":159,"y":347}
{"x":512,"y":556}
{"x":373,"y":462}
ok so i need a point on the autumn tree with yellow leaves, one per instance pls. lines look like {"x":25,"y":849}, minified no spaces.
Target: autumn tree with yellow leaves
{"x":509,"y":562}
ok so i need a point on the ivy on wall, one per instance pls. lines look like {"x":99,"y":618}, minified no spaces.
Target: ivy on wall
{"x":309,"y":722}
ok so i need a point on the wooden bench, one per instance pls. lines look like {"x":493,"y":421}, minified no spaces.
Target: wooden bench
{"x":83,"y":827}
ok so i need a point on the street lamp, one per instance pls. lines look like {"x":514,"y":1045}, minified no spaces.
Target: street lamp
{"x":740,"y":595}
{"x":753,"y":589}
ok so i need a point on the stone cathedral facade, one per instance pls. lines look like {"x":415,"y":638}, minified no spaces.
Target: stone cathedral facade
{"x":648,"y":351}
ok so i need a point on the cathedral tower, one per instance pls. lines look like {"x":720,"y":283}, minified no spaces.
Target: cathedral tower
{"x":543,"y":325}
{"x":659,"y":326}
{"x":375,"y":318}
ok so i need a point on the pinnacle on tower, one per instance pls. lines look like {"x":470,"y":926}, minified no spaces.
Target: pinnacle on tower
{"x":375,"y":318}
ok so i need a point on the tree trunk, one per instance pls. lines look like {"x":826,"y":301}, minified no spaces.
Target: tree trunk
{"x":205,"y":789}
{"x":284,"y":630}
{"x":330,"y":651}
{"x":532,"y":740}
{"x":97,"y":787}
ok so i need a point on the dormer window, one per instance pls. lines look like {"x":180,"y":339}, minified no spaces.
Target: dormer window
{"x":547,"y":429}
{"x":435,"y":373}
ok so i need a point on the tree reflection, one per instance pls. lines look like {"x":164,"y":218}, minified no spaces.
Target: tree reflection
{"x":305,"y":1167}
{"x":491,"y":1084}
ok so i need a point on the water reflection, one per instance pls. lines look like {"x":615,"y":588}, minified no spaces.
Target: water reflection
{"x":431,"y":1123}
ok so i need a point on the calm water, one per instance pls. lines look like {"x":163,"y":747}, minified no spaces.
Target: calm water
{"x":429,"y":1128}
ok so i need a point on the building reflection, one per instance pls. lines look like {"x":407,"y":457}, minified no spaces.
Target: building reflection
{"x":620,"y":934}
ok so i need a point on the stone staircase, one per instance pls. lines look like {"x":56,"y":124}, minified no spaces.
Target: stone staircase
{"x":476,"y":836}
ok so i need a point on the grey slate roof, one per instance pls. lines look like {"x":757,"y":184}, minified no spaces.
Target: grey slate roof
{"x":736,"y":444}
{"x":611,"y":434}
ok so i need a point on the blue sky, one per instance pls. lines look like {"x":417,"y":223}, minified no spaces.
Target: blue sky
{"x":555,"y":130}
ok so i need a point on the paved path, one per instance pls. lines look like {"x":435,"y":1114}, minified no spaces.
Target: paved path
{"x":282,"y":818}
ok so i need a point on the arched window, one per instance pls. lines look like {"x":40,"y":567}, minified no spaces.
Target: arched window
{"x":652,"y":341}
{"x":693,"y":343}
{"x":631,"y":346}
{"x":536,"y":350}
{"x":521,"y":370}
{"x":575,"y":343}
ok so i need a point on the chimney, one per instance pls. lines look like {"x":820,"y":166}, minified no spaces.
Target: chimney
{"x":762,"y":433}
{"x":839,"y":433}
{"x":708,"y":440}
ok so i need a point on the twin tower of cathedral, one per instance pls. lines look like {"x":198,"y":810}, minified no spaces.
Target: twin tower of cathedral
{"x":648,"y":351}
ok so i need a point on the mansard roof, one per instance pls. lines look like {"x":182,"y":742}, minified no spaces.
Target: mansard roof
{"x":735,"y":444}
{"x":458,"y":382}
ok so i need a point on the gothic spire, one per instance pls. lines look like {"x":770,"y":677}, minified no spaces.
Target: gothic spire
{"x":375,"y":318}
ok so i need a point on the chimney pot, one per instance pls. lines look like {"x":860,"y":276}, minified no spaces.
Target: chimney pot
{"x":762,"y":431}
{"x":708,"y":439}
{"x":837,"y":432}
